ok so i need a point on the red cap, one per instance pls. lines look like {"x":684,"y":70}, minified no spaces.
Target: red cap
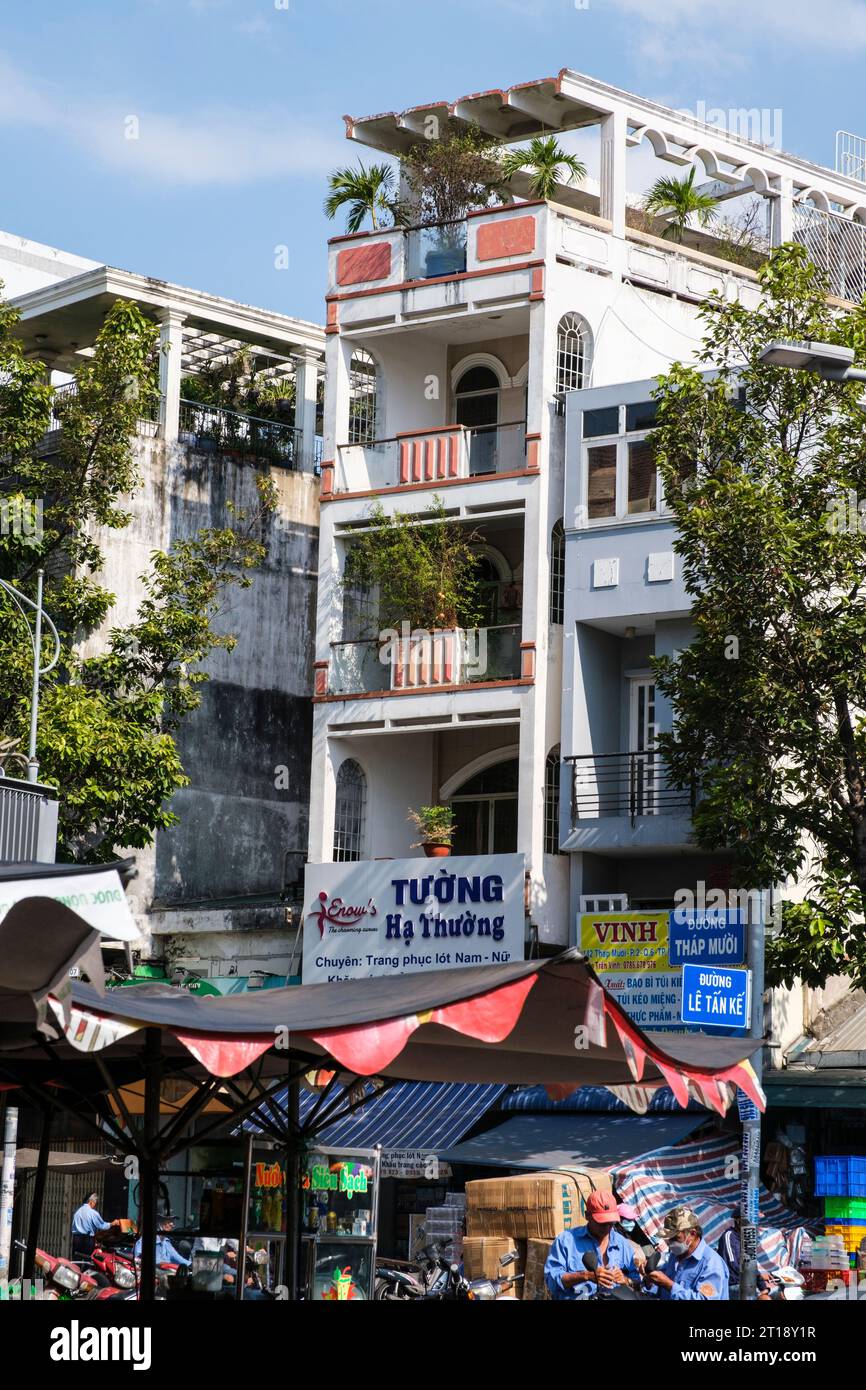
{"x":602,"y":1207}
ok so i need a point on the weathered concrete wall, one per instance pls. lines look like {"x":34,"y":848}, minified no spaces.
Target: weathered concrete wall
{"x":247,"y":747}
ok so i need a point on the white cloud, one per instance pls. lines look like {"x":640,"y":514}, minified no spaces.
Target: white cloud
{"x":729,"y":28}
{"x":212,"y":145}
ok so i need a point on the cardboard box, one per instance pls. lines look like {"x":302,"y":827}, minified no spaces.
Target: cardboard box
{"x":482,"y":1254}
{"x":535,"y":1207}
{"x":534,"y":1287}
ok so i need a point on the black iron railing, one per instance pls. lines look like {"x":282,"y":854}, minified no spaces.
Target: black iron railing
{"x":211,"y":429}
{"x":624,"y":784}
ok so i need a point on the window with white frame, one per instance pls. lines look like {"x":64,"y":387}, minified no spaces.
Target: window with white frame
{"x":620,"y":475}
{"x":363,"y":398}
{"x":350,"y":813}
{"x":551,"y":801}
{"x":573,"y":353}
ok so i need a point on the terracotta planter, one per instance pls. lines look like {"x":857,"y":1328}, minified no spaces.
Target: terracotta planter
{"x":434,"y":851}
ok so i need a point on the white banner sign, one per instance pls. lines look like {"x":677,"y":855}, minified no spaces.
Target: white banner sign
{"x":398,"y":916}
{"x":413,"y":1163}
{"x":98,"y":898}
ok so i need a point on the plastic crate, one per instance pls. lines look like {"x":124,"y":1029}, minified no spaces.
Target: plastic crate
{"x":840,"y":1176}
{"x":851,"y":1236}
{"x":845,"y":1209}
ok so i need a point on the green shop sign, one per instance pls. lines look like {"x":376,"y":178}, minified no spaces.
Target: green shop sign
{"x":348,"y":1178}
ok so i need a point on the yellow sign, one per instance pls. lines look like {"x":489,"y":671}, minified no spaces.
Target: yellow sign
{"x":617,"y":942}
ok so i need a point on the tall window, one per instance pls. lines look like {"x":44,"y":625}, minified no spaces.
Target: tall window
{"x":551,"y":801}
{"x":485,"y":811}
{"x":557,"y":573}
{"x":350,"y":812}
{"x":573,"y":354}
{"x":363,"y":398}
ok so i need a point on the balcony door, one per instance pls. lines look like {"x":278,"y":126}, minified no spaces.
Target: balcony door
{"x":485,"y":811}
{"x":642,"y":741}
{"x":477,"y":407}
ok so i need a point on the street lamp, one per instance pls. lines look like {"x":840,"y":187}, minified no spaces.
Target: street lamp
{"x":830,"y":361}
{"x":35,"y":634}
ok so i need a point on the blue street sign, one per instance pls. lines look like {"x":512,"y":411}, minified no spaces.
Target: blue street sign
{"x":715,"y":936}
{"x":716,"y":997}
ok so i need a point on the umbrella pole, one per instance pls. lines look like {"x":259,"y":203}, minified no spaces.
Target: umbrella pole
{"x":293,"y":1221}
{"x":7,"y":1188}
{"x":149,"y":1168}
{"x":38,"y":1196}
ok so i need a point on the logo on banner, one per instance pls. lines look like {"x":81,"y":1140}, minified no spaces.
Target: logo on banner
{"x":342,"y":917}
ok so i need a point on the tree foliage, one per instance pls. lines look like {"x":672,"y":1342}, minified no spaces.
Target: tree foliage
{"x":109,"y":710}
{"x":546,"y":163}
{"x":455,"y":173}
{"x":769,"y":699}
{"x":680,"y":203}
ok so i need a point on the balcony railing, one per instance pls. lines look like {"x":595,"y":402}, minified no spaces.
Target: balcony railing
{"x":147,"y":423}
{"x":836,"y":245}
{"x":28,"y":822}
{"x":624,"y":784}
{"x":435,"y":251}
{"x":427,"y":457}
{"x":211,"y":429}
{"x":426,"y":660}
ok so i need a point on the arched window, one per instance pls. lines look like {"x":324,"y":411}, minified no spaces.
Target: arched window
{"x":350,"y":812}
{"x":557,"y":573}
{"x":363,"y":398}
{"x":551,"y":801}
{"x":573,"y":354}
{"x":476,"y":401}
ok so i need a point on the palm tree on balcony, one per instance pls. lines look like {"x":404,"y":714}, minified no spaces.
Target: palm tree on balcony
{"x":547,"y":164}
{"x":367,"y":192}
{"x":679,"y":202}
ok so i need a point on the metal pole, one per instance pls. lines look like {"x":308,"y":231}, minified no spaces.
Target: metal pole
{"x":293,"y":1222}
{"x":32,"y":762}
{"x":149,"y":1167}
{"x":750,"y":1115}
{"x":38,"y":1196}
{"x":245,"y":1217}
{"x":7,"y":1189}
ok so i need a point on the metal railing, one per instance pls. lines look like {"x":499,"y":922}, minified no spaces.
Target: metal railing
{"x":147,"y":423}
{"x":836,"y":245}
{"x":426,"y":661}
{"x":28,"y":822}
{"x":211,"y":429}
{"x":623,"y":784}
{"x":497,"y":448}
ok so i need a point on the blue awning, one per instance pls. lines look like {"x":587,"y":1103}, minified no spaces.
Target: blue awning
{"x":595,"y":1098}
{"x":408,"y":1115}
{"x":573,"y":1141}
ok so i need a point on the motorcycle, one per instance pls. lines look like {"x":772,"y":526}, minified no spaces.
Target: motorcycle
{"x":437,"y":1279}
{"x":62,"y":1278}
{"x":489,"y":1290}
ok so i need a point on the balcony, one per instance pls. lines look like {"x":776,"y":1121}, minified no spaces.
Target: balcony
{"x":426,"y":661}
{"x":626,"y":801}
{"x":28,"y":822}
{"x":427,"y":457}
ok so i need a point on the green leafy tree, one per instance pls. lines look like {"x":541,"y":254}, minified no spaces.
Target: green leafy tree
{"x":546,"y":162}
{"x":424,"y":571}
{"x":367,"y":191}
{"x":458,"y":171}
{"x":107,"y":719}
{"x":769,"y":699}
{"x":680,"y":203}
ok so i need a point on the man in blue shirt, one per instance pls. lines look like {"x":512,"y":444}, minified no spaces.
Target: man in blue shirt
{"x":87,"y":1224}
{"x":565,"y":1273}
{"x":691,"y":1271}
{"x":165,"y":1251}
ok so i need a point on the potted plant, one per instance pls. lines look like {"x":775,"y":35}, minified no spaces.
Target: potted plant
{"x":447,"y":177}
{"x":435,"y":825}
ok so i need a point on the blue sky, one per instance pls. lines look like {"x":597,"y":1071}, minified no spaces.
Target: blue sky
{"x":239,"y":106}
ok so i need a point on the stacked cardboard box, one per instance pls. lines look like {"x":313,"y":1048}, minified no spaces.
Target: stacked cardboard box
{"x":535,"y":1207}
{"x":534,"y":1287}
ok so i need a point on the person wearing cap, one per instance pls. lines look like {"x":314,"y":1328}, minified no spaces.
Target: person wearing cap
{"x":691,"y":1271}
{"x":165,"y":1251}
{"x":627,"y":1226}
{"x":565,"y":1273}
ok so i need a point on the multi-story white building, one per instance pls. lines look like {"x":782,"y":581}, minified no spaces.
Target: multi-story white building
{"x":211,"y":894}
{"x":505,"y":366}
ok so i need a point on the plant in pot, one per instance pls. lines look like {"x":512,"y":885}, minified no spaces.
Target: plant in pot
{"x":446,"y":178}
{"x":435,"y":825}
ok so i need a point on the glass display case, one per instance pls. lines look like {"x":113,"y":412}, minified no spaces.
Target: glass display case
{"x":339,"y":1213}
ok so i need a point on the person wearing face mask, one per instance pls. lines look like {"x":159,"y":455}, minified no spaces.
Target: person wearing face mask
{"x":691,"y":1270}
{"x":627,"y":1226}
{"x":565,"y":1273}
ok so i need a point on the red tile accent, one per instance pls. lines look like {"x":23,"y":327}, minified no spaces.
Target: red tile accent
{"x":359,"y":264}
{"x":333,"y":325}
{"x":496,"y":240}
{"x":327,"y":479}
{"x":532,"y":453}
{"x":527,"y":660}
{"x":320,"y":677}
